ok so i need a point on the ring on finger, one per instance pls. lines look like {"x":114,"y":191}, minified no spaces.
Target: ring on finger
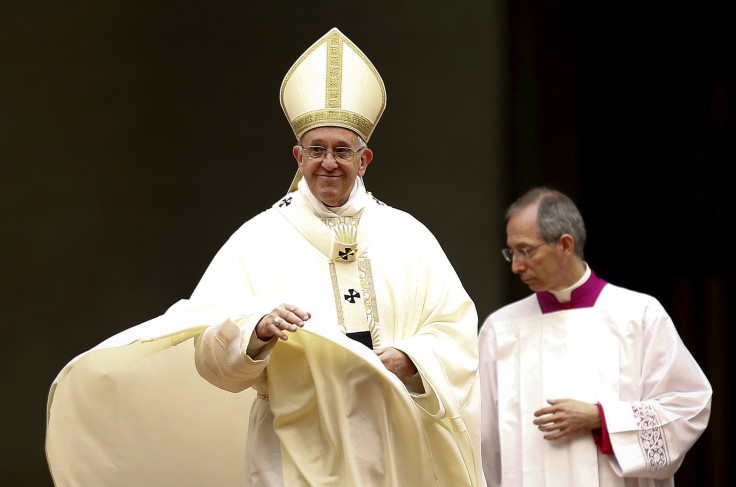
{"x":276,"y":321}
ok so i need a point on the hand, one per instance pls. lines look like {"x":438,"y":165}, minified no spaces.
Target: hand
{"x":397,"y":362}
{"x":283,"y":317}
{"x":567,"y":417}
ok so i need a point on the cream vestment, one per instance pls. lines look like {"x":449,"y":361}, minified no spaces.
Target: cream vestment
{"x":328,"y":413}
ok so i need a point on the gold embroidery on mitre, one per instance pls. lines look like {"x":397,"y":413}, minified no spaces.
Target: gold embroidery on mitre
{"x":333,"y":93}
{"x":338,"y":118}
{"x":332,"y":84}
{"x":352,"y":86}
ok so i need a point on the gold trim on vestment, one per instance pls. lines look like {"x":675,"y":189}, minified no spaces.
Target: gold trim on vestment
{"x":345,"y":245}
{"x":370,"y":302}
{"x":344,"y":228}
{"x":338,"y":298}
{"x":344,"y":231}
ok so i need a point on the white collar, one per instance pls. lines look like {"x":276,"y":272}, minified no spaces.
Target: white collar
{"x":565,"y":295}
{"x":355,"y":203}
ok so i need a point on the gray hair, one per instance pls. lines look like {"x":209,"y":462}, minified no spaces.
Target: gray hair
{"x":556,"y":216}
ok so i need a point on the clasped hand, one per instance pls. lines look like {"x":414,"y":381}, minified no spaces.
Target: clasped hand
{"x":567,"y":417}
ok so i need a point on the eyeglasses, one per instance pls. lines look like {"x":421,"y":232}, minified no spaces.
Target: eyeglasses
{"x":342,"y":154}
{"x":508,"y":253}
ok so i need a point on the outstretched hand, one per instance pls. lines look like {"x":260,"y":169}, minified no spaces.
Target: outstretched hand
{"x":283,"y":317}
{"x":567,"y":417}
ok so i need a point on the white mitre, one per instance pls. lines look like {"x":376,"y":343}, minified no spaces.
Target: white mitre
{"x":332,"y":84}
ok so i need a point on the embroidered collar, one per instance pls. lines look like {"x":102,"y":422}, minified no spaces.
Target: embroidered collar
{"x":583,"y":297}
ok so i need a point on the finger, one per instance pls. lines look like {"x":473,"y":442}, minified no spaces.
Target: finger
{"x":554,"y":436}
{"x":297,"y":312}
{"x":282,"y":324}
{"x":553,"y":429}
{"x":294,"y":318}
{"x":278,"y":333}
{"x":547,"y":420}
{"x":555,"y":424}
{"x":544,"y":411}
{"x":288,"y":316}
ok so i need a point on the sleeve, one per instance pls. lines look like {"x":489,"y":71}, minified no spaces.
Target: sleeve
{"x":438,"y":331}
{"x":600,"y":435}
{"x":225,"y":353}
{"x":490,"y":438}
{"x":436,"y":324}
{"x":222,"y":358}
{"x":650,"y":435}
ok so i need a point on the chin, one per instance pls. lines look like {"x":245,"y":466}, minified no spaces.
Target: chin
{"x":535,"y":287}
{"x":328,"y":200}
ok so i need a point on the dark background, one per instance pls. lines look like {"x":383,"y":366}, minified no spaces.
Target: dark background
{"x":136,"y":136}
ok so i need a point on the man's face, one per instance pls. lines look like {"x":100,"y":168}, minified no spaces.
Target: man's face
{"x":330,"y":180}
{"x":543,"y":269}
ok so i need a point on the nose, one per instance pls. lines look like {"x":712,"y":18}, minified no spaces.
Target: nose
{"x":329,"y":162}
{"x":517,"y":265}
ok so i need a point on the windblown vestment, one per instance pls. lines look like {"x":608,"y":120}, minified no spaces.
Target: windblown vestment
{"x":618,"y":348}
{"x":327,"y":408}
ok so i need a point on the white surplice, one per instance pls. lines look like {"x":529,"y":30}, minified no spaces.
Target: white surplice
{"x":327,"y":408}
{"x":625,"y":353}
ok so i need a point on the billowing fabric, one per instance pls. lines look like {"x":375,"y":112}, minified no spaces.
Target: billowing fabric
{"x":623,"y":352}
{"x":134,"y":412}
{"x":327,"y":408}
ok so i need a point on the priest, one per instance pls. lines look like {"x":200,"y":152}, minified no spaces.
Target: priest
{"x":341,"y":315}
{"x":584,"y":383}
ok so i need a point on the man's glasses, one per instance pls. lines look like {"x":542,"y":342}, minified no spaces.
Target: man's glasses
{"x":342,"y":154}
{"x":508,"y":253}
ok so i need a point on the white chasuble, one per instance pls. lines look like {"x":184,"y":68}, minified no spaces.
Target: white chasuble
{"x":341,"y":240}
{"x":313,"y":375}
{"x":134,"y":411}
{"x":343,"y":419}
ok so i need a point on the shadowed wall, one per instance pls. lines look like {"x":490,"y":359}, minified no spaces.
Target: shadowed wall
{"x":135,"y":137}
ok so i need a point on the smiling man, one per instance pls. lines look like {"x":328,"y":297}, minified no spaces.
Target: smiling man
{"x":329,"y":163}
{"x":346,"y":276}
{"x":584,"y":383}
{"x":363,"y":355}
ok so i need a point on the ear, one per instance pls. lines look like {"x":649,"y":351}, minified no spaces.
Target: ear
{"x":297,"y":151}
{"x":566,"y":243}
{"x":365,"y":158}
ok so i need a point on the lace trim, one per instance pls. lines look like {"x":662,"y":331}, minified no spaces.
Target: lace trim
{"x":652,"y":439}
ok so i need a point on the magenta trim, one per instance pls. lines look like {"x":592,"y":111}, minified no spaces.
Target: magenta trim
{"x":583,"y":297}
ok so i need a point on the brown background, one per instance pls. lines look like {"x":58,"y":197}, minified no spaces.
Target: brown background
{"x":136,"y":136}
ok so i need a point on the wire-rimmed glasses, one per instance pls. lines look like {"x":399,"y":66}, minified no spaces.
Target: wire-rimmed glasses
{"x":508,"y":253}
{"x":342,"y":154}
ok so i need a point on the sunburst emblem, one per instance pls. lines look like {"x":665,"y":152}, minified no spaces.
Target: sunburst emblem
{"x":346,"y":234}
